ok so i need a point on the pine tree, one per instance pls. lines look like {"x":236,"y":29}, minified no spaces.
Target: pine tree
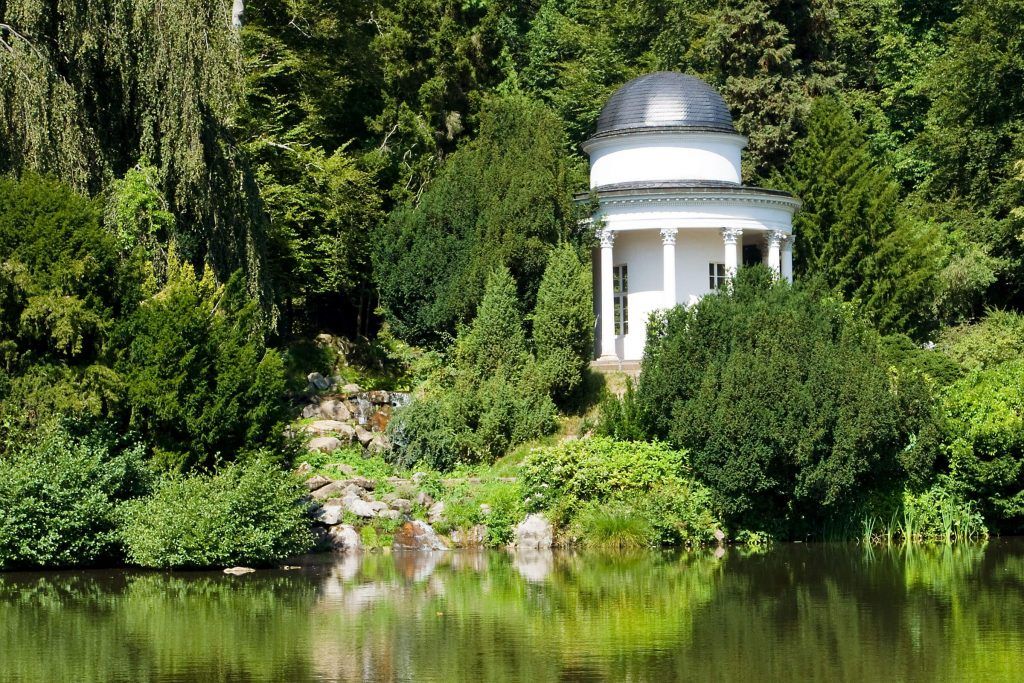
{"x":852,"y":232}
{"x":495,"y":343}
{"x":751,"y":57}
{"x":563,"y":321}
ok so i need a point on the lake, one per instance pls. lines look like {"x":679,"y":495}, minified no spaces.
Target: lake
{"x":792,"y":613}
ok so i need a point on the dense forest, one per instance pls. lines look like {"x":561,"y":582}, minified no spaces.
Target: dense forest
{"x":191,"y":188}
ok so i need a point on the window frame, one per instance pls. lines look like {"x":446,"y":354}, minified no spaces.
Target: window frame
{"x":716,"y":275}
{"x":620,"y":298}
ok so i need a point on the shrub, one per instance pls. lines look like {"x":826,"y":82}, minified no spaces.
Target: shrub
{"x":563,"y":322}
{"x":997,"y":338}
{"x":622,"y":417}
{"x":201,"y":381}
{"x":250,"y":512}
{"x":786,"y":403}
{"x":985,"y":442}
{"x":596,"y":468}
{"x":597,"y":483}
{"x":59,"y":495}
{"x":61,"y":278}
{"x":492,"y":400}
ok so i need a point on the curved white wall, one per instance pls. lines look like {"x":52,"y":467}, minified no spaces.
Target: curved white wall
{"x":661,"y":156}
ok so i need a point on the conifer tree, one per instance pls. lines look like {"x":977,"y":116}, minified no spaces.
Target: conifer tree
{"x":501,"y":200}
{"x":563,"y":321}
{"x":751,"y":57}
{"x":495,"y":343}
{"x":852,"y":232}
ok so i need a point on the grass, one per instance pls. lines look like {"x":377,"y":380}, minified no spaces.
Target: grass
{"x":613,"y":528}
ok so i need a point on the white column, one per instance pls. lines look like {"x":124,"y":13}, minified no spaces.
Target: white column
{"x":787,"y":258}
{"x":668,"y":268}
{"x":731,"y":236}
{"x":774,"y":255}
{"x":607,"y":238}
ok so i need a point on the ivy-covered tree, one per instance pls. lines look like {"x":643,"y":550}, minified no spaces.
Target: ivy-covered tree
{"x":852,"y":232}
{"x":501,"y":200}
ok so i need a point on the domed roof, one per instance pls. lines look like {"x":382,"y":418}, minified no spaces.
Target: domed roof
{"x":664,"y":99}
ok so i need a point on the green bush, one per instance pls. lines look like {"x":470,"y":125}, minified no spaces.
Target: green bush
{"x":985,"y":442}
{"x":59,"y":496}
{"x":491,"y":400}
{"x":250,"y":513}
{"x":201,"y":382}
{"x":622,"y":418}
{"x":786,"y":402}
{"x":61,"y":279}
{"x":642,"y":483}
{"x":997,"y":338}
{"x":563,"y":322}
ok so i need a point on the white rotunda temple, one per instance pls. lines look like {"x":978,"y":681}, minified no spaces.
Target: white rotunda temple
{"x":674,"y":218}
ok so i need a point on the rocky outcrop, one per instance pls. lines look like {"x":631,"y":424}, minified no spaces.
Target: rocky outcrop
{"x":417,"y":535}
{"x":534,"y":532}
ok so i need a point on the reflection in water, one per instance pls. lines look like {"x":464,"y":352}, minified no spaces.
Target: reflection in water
{"x":798,"y":612}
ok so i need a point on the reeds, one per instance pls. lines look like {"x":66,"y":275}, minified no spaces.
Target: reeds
{"x":929,"y":518}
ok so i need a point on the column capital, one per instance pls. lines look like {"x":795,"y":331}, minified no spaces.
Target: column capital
{"x":787,"y":241}
{"x":668,"y":235}
{"x":731,"y":235}
{"x":607,"y":238}
{"x":776,"y":238}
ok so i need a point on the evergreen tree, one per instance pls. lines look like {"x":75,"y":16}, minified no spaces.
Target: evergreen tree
{"x":751,"y":57}
{"x":495,"y":343}
{"x":851,"y":231}
{"x":563,"y":322}
{"x":502,"y":199}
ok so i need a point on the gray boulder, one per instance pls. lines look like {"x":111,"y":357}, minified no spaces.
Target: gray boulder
{"x":318,"y":381}
{"x":327,"y":427}
{"x":417,"y":535}
{"x":390,"y":514}
{"x":359,"y":507}
{"x":344,"y":538}
{"x":330,"y":514}
{"x":334,"y":410}
{"x":331,"y":490}
{"x":351,"y":389}
{"x":436,"y":512}
{"x":324,"y":444}
{"x":401,"y":504}
{"x":379,"y":444}
{"x":424,"y":499}
{"x":474,"y":537}
{"x":364,"y":436}
{"x":310,"y":410}
{"x":534,"y":532}
{"x":317,"y":482}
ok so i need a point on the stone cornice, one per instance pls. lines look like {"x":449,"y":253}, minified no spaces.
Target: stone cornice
{"x":738,"y":195}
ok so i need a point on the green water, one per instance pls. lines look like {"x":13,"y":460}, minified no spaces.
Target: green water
{"x":797,"y":612}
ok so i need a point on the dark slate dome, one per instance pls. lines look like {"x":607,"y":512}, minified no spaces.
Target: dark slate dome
{"x":664,"y":99}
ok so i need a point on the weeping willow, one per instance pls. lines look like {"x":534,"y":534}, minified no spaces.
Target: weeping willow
{"x":88,"y":88}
